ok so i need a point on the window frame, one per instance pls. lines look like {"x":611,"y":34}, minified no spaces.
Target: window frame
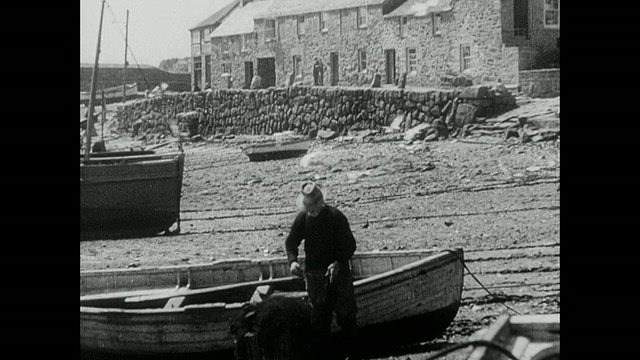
{"x":193,"y":37}
{"x":465,"y":61}
{"x":300,"y":28}
{"x":362,"y":22}
{"x":436,"y":20}
{"x":546,"y":9}
{"x":268,"y":30}
{"x":197,"y":61}
{"x":409,"y":67}
{"x":226,"y":66}
{"x":245,"y":39}
{"x":297,"y":65}
{"x":403,"y":27}
{"x":362,"y":60}
{"x":322,"y":23}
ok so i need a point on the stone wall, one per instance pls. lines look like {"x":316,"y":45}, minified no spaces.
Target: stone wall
{"x":309,"y":109}
{"x":540,"y":83}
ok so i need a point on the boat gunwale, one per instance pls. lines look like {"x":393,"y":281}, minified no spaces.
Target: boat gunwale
{"x":135,"y":159}
{"x":267,"y":261}
{"x":361,"y":285}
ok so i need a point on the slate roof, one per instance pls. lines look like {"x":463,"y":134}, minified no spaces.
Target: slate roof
{"x":297,"y":7}
{"x":217,"y":16}
{"x":240,"y":20}
{"x":419,"y":8}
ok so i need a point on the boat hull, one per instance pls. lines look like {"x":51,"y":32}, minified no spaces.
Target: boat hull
{"x":415,"y":301}
{"x":131,"y":198}
{"x":531,"y":337}
{"x":277,"y":151}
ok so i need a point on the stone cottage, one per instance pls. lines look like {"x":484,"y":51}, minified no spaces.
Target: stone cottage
{"x":429,"y":40}
{"x":201,"y":51}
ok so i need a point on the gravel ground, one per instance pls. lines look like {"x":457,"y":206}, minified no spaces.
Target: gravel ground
{"x":497,"y":199}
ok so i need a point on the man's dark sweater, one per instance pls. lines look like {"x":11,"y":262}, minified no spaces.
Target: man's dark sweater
{"x":328,"y":238}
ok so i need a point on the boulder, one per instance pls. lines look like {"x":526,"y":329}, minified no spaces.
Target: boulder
{"x":327,"y":134}
{"x":417,"y":132}
{"x":396,"y":124}
{"x":475,"y":92}
{"x":465,"y":114}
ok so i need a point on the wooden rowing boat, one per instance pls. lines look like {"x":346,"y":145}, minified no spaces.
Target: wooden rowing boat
{"x":409,"y":295}
{"x":527,"y":337}
{"x":125,"y":194}
{"x":277,"y":150}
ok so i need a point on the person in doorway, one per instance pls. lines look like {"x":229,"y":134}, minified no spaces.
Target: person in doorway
{"x":318,"y":72}
{"x":328,"y":245}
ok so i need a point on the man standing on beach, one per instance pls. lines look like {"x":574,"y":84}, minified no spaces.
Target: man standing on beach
{"x":329,"y":244}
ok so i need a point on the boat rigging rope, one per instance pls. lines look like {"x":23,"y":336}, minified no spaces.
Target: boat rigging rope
{"x":479,"y":283}
{"x":474,"y":343}
{"x":128,"y":46}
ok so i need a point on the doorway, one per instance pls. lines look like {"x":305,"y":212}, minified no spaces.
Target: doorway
{"x":333,"y":63}
{"x":390,"y":65}
{"x":267,"y":71}
{"x":207,"y":70}
{"x":248,"y":74}
{"x":521,"y":18}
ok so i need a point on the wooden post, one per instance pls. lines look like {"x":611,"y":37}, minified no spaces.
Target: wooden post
{"x":104,"y":115}
{"x":124,"y":72}
{"x":94,"y":79}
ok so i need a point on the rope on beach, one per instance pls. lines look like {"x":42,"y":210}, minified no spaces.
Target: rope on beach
{"x":478,"y":281}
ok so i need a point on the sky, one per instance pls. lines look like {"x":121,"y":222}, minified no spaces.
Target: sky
{"x":158,"y":29}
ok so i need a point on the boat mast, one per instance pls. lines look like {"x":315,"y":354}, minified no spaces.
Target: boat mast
{"x":94,"y":84}
{"x":126,"y":47}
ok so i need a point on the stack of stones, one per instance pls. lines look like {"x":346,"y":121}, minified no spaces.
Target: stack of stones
{"x":306,"y":110}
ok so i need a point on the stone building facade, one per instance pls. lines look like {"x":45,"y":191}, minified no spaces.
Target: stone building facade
{"x":430,"y":40}
{"x":201,"y":50}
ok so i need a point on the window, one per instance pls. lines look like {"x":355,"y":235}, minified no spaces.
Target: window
{"x":403,"y":26}
{"x":207,"y":32}
{"x":301,"y":25}
{"x":322,"y":22}
{"x":197,"y":63}
{"x":246,"y":38}
{"x":225,"y":48}
{"x":412,"y":60}
{"x":297,"y":69}
{"x":226,"y":68}
{"x":362,"y":17}
{"x":270,"y":30}
{"x":207,"y":68}
{"x":465,"y":57}
{"x":195,"y":37}
{"x":201,"y":35}
{"x":552,"y":14}
{"x":362,"y":60}
{"x":436,"y":19}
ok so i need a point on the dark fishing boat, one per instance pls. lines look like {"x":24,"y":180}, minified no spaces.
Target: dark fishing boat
{"x":277,"y":150}
{"x":126,"y":193}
